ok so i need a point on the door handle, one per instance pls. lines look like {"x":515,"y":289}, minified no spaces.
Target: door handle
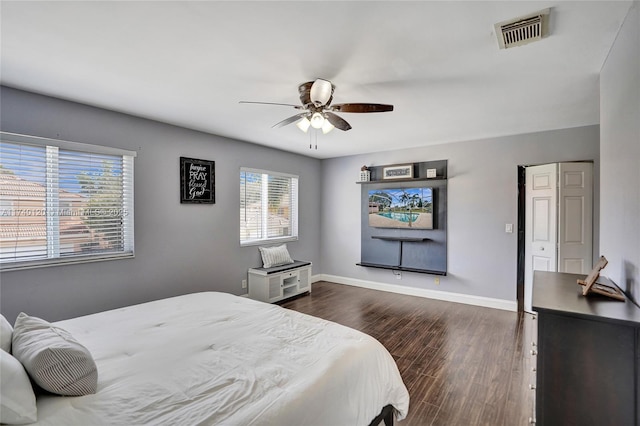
{"x":541,"y":248}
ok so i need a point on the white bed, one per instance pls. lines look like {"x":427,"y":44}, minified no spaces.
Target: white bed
{"x":217,"y":359}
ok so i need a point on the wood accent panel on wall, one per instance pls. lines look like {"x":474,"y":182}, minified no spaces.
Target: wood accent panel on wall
{"x":404,"y":249}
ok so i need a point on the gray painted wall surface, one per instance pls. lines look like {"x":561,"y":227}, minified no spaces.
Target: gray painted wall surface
{"x":482,"y":198}
{"x":179,"y":248}
{"x":620,"y":156}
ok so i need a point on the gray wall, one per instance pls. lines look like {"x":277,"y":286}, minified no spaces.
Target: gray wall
{"x":179,"y":248}
{"x":482,"y":198}
{"x":620,"y":156}
{"x":186,"y":248}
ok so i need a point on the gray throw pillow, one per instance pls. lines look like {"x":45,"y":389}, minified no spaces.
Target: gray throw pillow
{"x":53,"y":358}
{"x":275,"y":256}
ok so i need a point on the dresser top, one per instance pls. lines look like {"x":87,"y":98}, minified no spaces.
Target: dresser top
{"x":559,"y":292}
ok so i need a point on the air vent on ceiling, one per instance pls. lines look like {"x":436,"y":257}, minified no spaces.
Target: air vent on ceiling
{"x":522,"y":30}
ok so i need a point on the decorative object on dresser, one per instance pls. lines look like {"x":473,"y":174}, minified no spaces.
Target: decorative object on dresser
{"x":197,"y":181}
{"x":280,"y":282}
{"x":593,"y":286}
{"x":587,"y":355}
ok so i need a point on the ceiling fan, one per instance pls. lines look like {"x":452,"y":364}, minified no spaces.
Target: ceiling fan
{"x":317,"y":111}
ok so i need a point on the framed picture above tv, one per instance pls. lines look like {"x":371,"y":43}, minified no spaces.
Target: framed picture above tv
{"x":403,"y":208}
{"x":399,"y":171}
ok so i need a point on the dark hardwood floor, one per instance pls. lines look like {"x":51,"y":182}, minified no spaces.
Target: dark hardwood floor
{"x":462,"y":365}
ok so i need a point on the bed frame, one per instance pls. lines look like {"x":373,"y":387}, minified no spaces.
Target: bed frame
{"x":385,"y":415}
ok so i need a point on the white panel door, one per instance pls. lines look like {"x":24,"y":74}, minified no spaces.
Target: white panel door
{"x":575,"y":217}
{"x":540,"y":224}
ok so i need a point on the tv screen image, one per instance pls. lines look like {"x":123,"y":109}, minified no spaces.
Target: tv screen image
{"x":410,"y":208}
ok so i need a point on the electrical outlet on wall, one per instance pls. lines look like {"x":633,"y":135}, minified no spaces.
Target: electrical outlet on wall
{"x":436,"y":280}
{"x":244,"y":283}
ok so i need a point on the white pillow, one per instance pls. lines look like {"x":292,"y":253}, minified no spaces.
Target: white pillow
{"x":53,"y":358}
{"x":275,"y":256}
{"x":17,"y":400}
{"x":6,"y":333}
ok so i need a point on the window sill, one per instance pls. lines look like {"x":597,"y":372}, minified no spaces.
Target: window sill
{"x":19,"y":266}
{"x":270,"y":241}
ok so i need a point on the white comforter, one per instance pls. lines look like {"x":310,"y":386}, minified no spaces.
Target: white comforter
{"x":217,"y":359}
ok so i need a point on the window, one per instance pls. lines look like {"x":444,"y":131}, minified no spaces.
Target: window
{"x":268,"y":207}
{"x":63,"y":202}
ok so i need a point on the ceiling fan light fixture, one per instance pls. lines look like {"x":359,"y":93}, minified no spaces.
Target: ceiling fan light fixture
{"x":303,"y":124}
{"x":317,"y":111}
{"x":327,"y":127}
{"x":317,"y":120}
{"x":321,"y":91}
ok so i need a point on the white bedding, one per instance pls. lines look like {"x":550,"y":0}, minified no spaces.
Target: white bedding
{"x":213,"y":358}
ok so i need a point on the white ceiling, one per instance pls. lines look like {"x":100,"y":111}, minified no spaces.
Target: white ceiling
{"x":189,"y":63}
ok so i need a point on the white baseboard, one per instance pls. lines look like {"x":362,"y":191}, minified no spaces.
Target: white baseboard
{"x":487,"y":302}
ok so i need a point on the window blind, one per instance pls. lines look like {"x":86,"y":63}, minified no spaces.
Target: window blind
{"x":23,"y":200}
{"x":268,"y":206}
{"x":60,"y":205}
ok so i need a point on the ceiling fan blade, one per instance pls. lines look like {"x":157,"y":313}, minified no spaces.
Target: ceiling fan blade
{"x":304,"y":90}
{"x":337,"y":121}
{"x":270,"y":103}
{"x":362,"y":108}
{"x":321,"y":92}
{"x":289,"y":120}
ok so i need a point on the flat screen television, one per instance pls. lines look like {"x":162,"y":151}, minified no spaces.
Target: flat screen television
{"x":403,"y":208}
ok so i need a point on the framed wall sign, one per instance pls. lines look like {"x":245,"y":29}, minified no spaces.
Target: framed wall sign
{"x":400,"y":171}
{"x":197,"y":181}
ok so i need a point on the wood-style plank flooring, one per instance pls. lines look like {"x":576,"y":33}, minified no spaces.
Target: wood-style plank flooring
{"x":462,"y":365}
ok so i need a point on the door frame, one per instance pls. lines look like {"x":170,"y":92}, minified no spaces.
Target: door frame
{"x":522,"y":206}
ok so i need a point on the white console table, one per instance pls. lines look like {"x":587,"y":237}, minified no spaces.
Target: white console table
{"x":280,"y":282}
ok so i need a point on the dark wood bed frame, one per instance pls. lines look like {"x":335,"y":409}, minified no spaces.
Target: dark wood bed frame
{"x":385,"y":415}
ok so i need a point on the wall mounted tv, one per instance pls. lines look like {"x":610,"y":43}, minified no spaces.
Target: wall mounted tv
{"x":403,"y":208}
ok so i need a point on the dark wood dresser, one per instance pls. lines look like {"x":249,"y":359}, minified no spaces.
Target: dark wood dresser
{"x":588,"y":355}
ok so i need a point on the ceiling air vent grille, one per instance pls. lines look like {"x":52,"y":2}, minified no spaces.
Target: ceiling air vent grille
{"x":523,"y":30}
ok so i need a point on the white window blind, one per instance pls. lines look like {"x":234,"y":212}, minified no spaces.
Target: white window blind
{"x":268,"y":207}
{"x":62,"y":202}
